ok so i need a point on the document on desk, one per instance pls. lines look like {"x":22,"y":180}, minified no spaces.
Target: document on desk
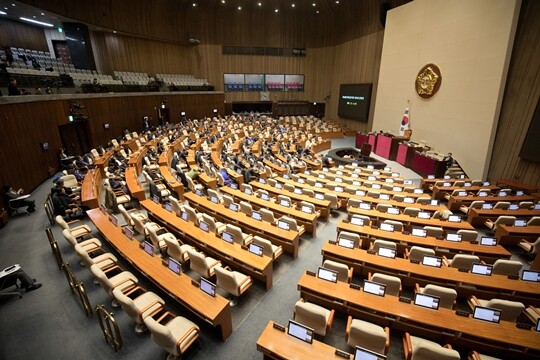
{"x":9,"y":270}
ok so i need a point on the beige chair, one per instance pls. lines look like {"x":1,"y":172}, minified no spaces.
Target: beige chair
{"x":104,"y":261}
{"x":193,"y":215}
{"x":70,"y":181}
{"x":213,"y":193}
{"x":193,"y":185}
{"x":364,"y":218}
{"x":411,"y":211}
{"x":288,"y":187}
{"x":473,"y":355}
{"x":282,"y":199}
{"x":367,"y":335}
{"x":201,"y":264}
{"x":335,"y":203}
{"x":227,"y":200}
{"x":243,"y":188}
{"x":502,"y":205}
{"x":398,"y":225}
{"x":507,"y":267}
{"x":238,"y":235}
{"x":416,"y":348}
{"x":259,"y":193}
{"x":233,"y":282}
{"x":158,"y":240}
{"x":526,"y":204}
{"x":350,"y":236}
{"x":530,"y":248}
{"x":454,"y":193}
{"x":176,"y":250}
{"x":272,"y":182}
{"x":125,"y":281}
{"x":384,"y":243}
{"x":175,"y":337}
{"x":503,"y":219}
{"x":393,"y":283}
{"x":176,"y":206}
{"x":447,"y":296}
{"x":267,"y":215}
{"x":398,"y":197}
{"x":382,"y":207}
{"x":313,"y":316}
{"x":434,"y":231}
{"x":468,"y":235}
{"x":344,"y":272}
{"x":417,"y":253}
{"x":533,"y":313}
{"x":461,"y":261}
{"x":308,"y":192}
{"x":144,"y":305}
{"x":269,"y":249}
{"x":89,"y":245}
{"x":313,"y":210}
{"x":128,"y":215}
{"x":77,"y":231}
{"x":441,"y":214}
{"x":534,"y":221}
{"x":510,"y":310}
{"x":213,"y":225}
{"x":423,"y":200}
{"x":477,"y":204}
{"x":353,"y":203}
{"x":293,"y":226}
{"x":246,"y":208}
{"x":142,"y":228}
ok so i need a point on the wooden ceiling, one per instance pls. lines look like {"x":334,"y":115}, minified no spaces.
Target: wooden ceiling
{"x":233,"y":22}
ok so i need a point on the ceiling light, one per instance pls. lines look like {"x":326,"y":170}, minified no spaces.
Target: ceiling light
{"x":43,"y":14}
{"x":194,"y":4}
{"x":223,"y":1}
{"x":36,"y":22}
{"x":313,"y":4}
{"x":239,"y":8}
{"x":260,"y":4}
{"x":3,"y":13}
{"x":34,"y":16}
{"x":12,"y":4}
{"x":337,"y":1}
{"x":114,"y":31}
{"x":277,"y":10}
{"x":317,"y":11}
{"x":292,"y":5}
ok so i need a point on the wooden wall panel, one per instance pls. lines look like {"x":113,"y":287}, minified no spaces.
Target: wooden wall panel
{"x":521,"y":96}
{"x":18,"y":34}
{"x":24,"y":126}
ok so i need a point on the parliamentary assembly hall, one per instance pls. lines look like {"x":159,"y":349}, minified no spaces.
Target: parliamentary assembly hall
{"x":270,"y":179}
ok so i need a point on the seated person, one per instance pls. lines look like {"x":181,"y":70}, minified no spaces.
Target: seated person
{"x":11,"y":194}
{"x":63,"y":204}
{"x":194,"y":173}
{"x":9,"y":278}
{"x":226,"y":178}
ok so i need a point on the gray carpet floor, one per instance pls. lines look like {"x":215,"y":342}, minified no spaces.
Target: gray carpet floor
{"x":49,"y":323}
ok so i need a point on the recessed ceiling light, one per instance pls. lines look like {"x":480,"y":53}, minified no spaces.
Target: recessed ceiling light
{"x":43,"y":14}
{"x":239,"y":8}
{"x":260,"y":4}
{"x":12,"y":4}
{"x":114,"y":31}
{"x":5,"y":8}
{"x":313,"y":4}
{"x":3,"y":13}
{"x":277,"y":10}
{"x":36,"y":22}
{"x":337,"y":1}
{"x":292,"y":5}
{"x":317,"y":11}
{"x":194,"y":4}
{"x":223,"y":1}
{"x":34,"y":16}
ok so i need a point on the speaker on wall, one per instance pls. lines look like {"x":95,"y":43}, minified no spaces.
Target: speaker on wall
{"x":385,"y":6}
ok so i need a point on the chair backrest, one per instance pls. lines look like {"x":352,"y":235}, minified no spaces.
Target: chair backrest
{"x":70,"y":181}
{"x":212,"y":227}
{"x":464,"y":261}
{"x":477,"y":204}
{"x":226,"y":280}
{"x":236,"y":232}
{"x":102,"y":278}
{"x":285,"y":199}
{"x":175,"y":344}
{"x":384,"y":243}
{"x":423,"y":200}
{"x":227,"y":200}
{"x":212,"y":193}
{"x":246,"y":208}
{"x":534,"y":221}
{"x":61,"y":222}
{"x":333,"y":200}
{"x":85,"y":258}
{"x":393,"y":283}
{"x":288,"y":187}
{"x":457,"y":191}
{"x":367,"y":335}
{"x":138,"y":225}
{"x":433,"y":230}
{"x":468,"y":235}
{"x":373,"y":193}
{"x":292,"y":222}
{"x":267,"y":215}
{"x":354,"y":203}
{"x":506,"y":220}
{"x":308,"y":192}
{"x":507,"y":267}
{"x":383,"y":207}
{"x":192,"y":215}
{"x":365,"y":218}
{"x":243,"y":187}
{"x":125,"y":215}
{"x":526,"y":204}
{"x":128,"y":306}
{"x":350,"y":236}
{"x":510,"y":310}
{"x":176,"y":207}
{"x":398,"y":225}
{"x":398,"y":197}
{"x":154,"y":237}
{"x":197,"y":263}
{"x":342,"y":269}
{"x":417,"y":253}
{"x":272,"y":182}
{"x":447,"y":296}
{"x":411,"y":211}
{"x":69,"y":237}
{"x":311,"y":315}
{"x":173,"y":249}
{"x":503,"y":205}
{"x":268,"y":250}
{"x":308,"y":205}
{"x":429,"y":350}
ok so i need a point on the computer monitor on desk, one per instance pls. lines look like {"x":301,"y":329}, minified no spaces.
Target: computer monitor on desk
{"x":387,"y":227}
{"x":487,"y":314}
{"x":233,"y":207}
{"x":129,"y":232}
{"x":408,"y":200}
{"x":168,"y":207}
{"x":419,"y":232}
{"x":346,"y":243}
{"x":207,"y":287}
{"x":423,"y":215}
{"x":364,"y":354}
{"x":430,"y":260}
{"x":300,"y":331}
{"x":487,"y":206}
{"x":387,"y":252}
{"x":427,"y":301}
{"x":327,"y":274}
{"x":148,"y":248}
{"x":520,"y":223}
{"x":306,"y":209}
{"x":283,"y":225}
{"x":255,"y":249}
{"x":357,"y":221}
{"x":174,"y":266}
{"x":454,"y":218}
{"x":227,"y":236}
{"x":453,"y":237}
{"x":530,"y":275}
{"x":374,"y":288}
{"x":203,"y":226}
{"x":256,"y":215}
{"x":488,"y":241}
{"x":481,"y":269}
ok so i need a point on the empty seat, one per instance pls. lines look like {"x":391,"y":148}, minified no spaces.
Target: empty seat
{"x":382,"y":207}
{"x":416,"y":348}
{"x":234,"y":282}
{"x":293,"y":225}
{"x":238,"y":236}
{"x":411,"y":211}
{"x":269,"y":249}
{"x":398,"y":225}
{"x":146,"y":304}
{"x":367,"y":335}
{"x":423,"y":200}
{"x":393,"y":283}
{"x":434,"y":231}
{"x":344,"y":272}
{"x":246,"y":208}
{"x":366,"y":220}
{"x":447,"y":296}
{"x":468,"y":235}
{"x":510,"y":310}
{"x":461,"y":261}
{"x":213,"y":225}
{"x":267,"y":215}
{"x":384,"y":243}
{"x":534,"y":221}
{"x":350,"y":236}
{"x":177,"y":250}
{"x":507,"y":267}
{"x":477,"y":204}
{"x":313,"y":316}
{"x":417,"y":253}
{"x":530,"y":248}
{"x":506,"y":220}
{"x":201,"y":264}
{"x":125,"y":281}
{"x":175,"y":337}
{"x":78,"y":229}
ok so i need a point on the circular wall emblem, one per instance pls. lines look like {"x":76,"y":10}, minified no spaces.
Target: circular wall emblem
{"x":428,"y":81}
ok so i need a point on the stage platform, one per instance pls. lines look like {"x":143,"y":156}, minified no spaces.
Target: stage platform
{"x":351,"y":155}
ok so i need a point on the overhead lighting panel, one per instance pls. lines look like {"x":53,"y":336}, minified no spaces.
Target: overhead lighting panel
{"x":36,"y":22}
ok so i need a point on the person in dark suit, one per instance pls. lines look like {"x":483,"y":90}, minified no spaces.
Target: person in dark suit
{"x":13,"y":90}
{"x":449,"y":160}
{"x":11,"y":277}
{"x":11,"y":194}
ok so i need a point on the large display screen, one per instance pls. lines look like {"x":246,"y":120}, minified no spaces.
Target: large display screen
{"x":354,"y":100}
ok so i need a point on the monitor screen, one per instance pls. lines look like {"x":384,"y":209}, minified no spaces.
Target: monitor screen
{"x":487,"y":314}
{"x":321,"y":176}
{"x":284,"y":202}
{"x":319,"y":196}
{"x":247,"y":191}
{"x":376,"y":186}
{"x":103,"y":209}
{"x":431,"y":260}
{"x":339,"y":180}
{"x":501,"y":193}
{"x":394,"y":174}
{"x":393,"y":211}
{"x":233,"y":207}
{"x":279,"y":186}
{"x":233,"y":186}
{"x":306,"y":209}
{"x":481,"y":269}
{"x":419,"y":232}
{"x":487,"y":206}
{"x":365,"y":206}
{"x":453,"y":237}
{"x":285,"y":176}
{"x":434,"y":202}
{"x":298,"y":191}
{"x":256,"y":215}
{"x":207,"y":287}
{"x":198,"y":192}
{"x":486,"y":183}
{"x":214,"y":199}
{"x":301,"y":181}
{"x":114,"y":220}
{"x":155,"y":199}
{"x":262,"y":181}
{"x":307,"y":172}
{"x":365,"y":354}
{"x":408,"y":200}
{"x":300,"y":331}
{"x":374,"y":288}
{"x":520,"y":222}
{"x":537,"y":206}
{"x":428,"y":301}
{"x":384,"y":197}
{"x":387,"y":252}
{"x":397,"y":189}
{"x":168,"y":207}
{"x":454,"y":218}
{"x":319,"y":185}
{"x":357,"y":221}
{"x":387,"y":227}
{"x":431,"y":177}
{"x":360,"y":192}
{"x":537,"y":325}
{"x":371,"y":178}
{"x":482,"y":193}
{"x":338,"y":189}
{"x":462,"y":193}
{"x":407,"y":182}
{"x":389,"y":180}
{"x":203,"y":226}
{"x":424,"y":215}
{"x":370,"y":167}
{"x":128,"y":232}
{"x":357,"y":183}
{"x":255,"y":249}
{"x":447,"y":184}
{"x":488,"y":241}
{"x":446,"y":177}
{"x":283,"y":225}
{"x":265,"y":196}
{"x":174,"y":266}
{"x":354,"y":100}
{"x":513,"y":207}
{"x":530,"y":275}
{"x":184,"y":216}
{"x":227,"y":236}
{"x":326,"y":274}
{"x":346,"y":243}
{"x":418,"y":191}
{"x":467,"y":184}
{"x":148,"y":248}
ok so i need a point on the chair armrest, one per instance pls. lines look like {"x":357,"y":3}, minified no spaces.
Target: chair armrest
{"x":348,"y":328}
{"x":473,"y":301}
{"x":406,"y":254}
{"x":73,"y":221}
{"x":164,"y":315}
{"x":350,"y":275}
{"x":448,"y":346}
{"x":473,"y":355}
{"x":246,"y":280}
{"x":387,"y":342}
{"x":445,"y":260}
{"x":330,"y":320}
{"x":416,"y":288}
{"x":407,"y":346}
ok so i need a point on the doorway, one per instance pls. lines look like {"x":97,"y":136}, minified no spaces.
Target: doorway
{"x":75,"y":139}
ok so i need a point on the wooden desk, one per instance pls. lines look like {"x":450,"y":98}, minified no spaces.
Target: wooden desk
{"x":465,"y":284}
{"x":171,"y":181}
{"x":425,"y":183}
{"x":91,"y":188}
{"x":289,"y":240}
{"x":485,"y":252}
{"x":440,"y":191}
{"x":275,"y":168}
{"x":259,"y":267}
{"x":208,"y":181}
{"x":405,"y":219}
{"x":442,"y":323}
{"x":275,"y":344}
{"x":456,"y":201}
{"x":479,"y":216}
{"x":517,"y":185}
{"x":103,"y":161}
{"x":506,"y":234}
{"x":214,"y":310}
{"x":322,"y":205}
{"x":133,"y":183}
{"x":302,"y":218}
{"x":324,"y":145}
